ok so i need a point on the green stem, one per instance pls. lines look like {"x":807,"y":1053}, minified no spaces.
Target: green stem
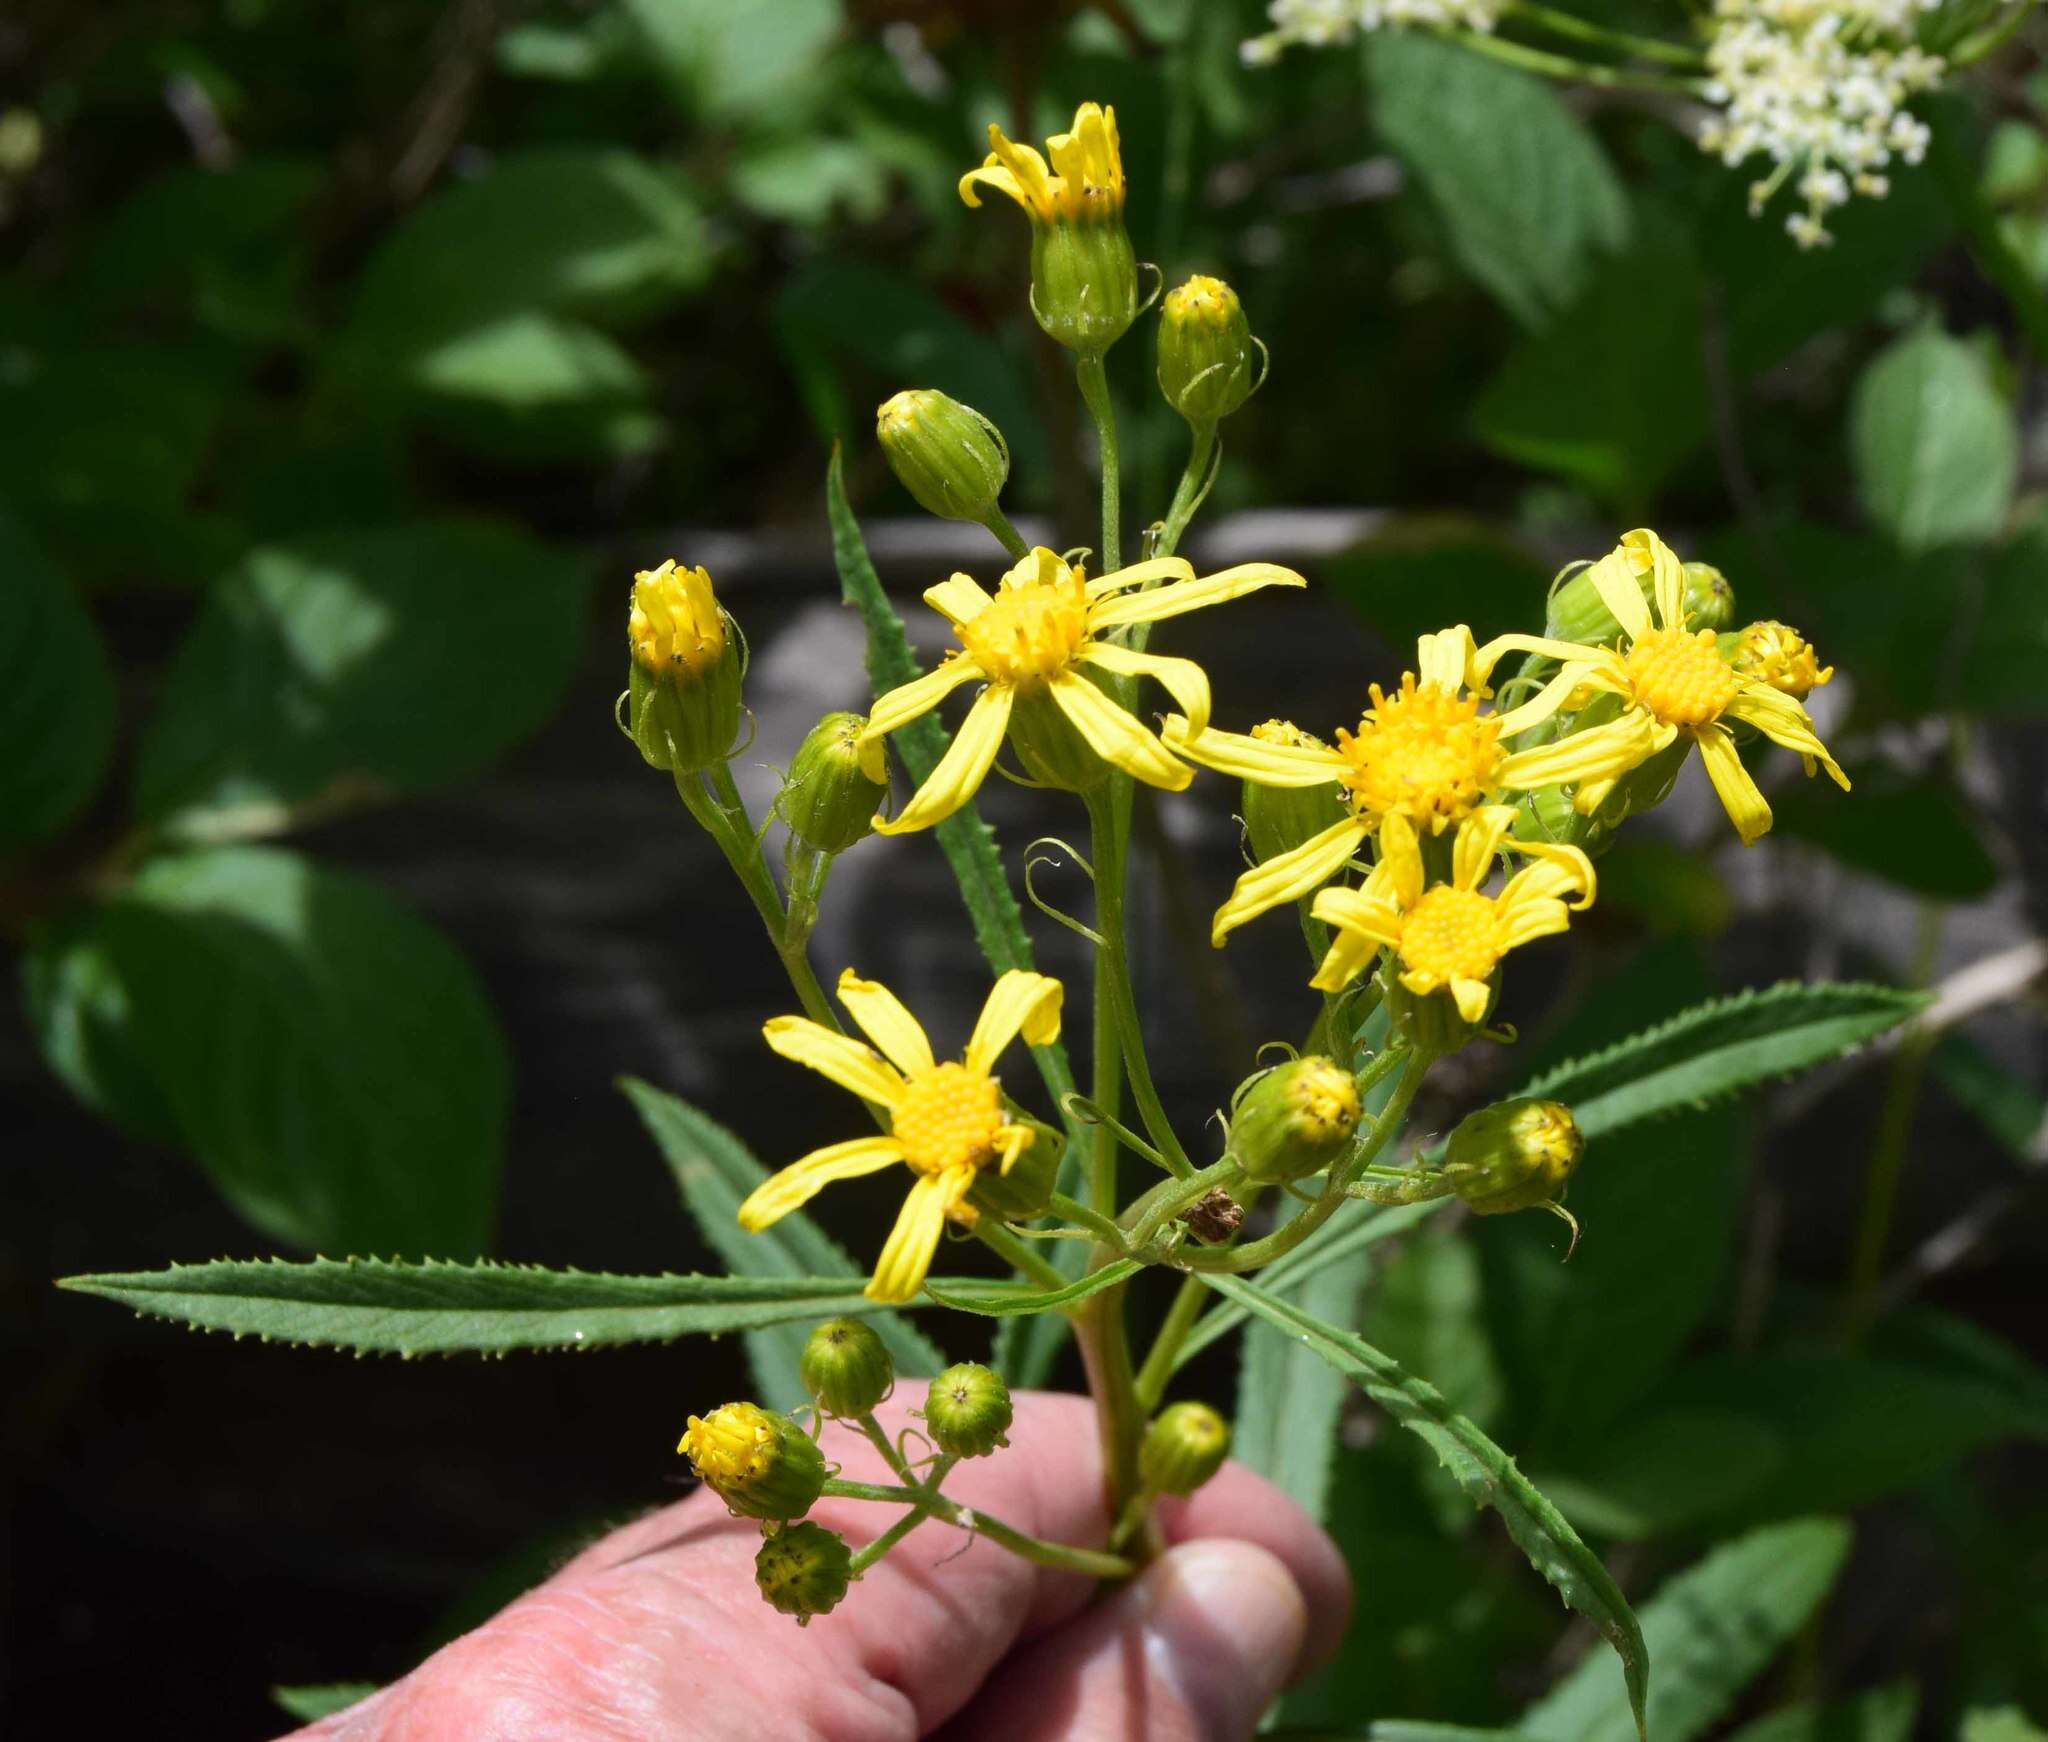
{"x":1187,"y":496}
{"x":1620,"y":41}
{"x":866,"y":1557}
{"x":1013,"y":1252}
{"x":1082,"y":1216}
{"x":1105,"y":1346}
{"x":1007,"y":535}
{"x":838,"y":1488}
{"x":878,"y":1437}
{"x":928,"y":1502}
{"x":1113,"y":968}
{"x":1145,"y":1218}
{"x":1560,"y":66}
{"x":1094,"y":384}
{"x":1188,"y":1301}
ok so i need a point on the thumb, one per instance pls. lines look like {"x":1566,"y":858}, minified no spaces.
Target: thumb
{"x":1194,"y":1650}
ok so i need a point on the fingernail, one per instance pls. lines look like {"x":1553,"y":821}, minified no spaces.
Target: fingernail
{"x":1225,"y":1625}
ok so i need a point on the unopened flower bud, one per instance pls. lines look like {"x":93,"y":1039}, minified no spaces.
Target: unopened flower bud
{"x":968,"y":1411}
{"x":803,"y":1570}
{"x":835,"y":784}
{"x":1084,"y":279}
{"x":1578,"y":613}
{"x":761,"y":1464}
{"x":1280,"y":818}
{"x":846,"y":1367}
{"x":1709,"y":599}
{"x":1430,"y":1021}
{"x":947,"y":455}
{"x":1205,"y":351}
{"x":1513,"y":1155}
{"x":1023,"y":1189}
{"x":1183,"y":1447}
{"x":1776,"y":654}
{"x":1294,"y":1120}
{"x":1051,"y":746}
{"x":683,"y":691}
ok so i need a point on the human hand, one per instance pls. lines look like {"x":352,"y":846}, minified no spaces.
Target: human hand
{"x":658,"y":1632}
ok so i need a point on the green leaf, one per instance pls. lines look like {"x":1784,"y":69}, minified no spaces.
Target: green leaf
{"x":1716,"y":1049}
{"x":1419,"y":573}
{"x":1933,"y":441}
{"x":322,"y":1699}
{"x":715,"y":1172}
{"x":1006,"y":1300}
{"x":1530,"y":205}
{"x":356,"y":662}
{"x":1613,"y":393}
{"x":2007,"y":1105}
{"x":1712,"y":1630}
{"x":328,"y":1057}
{"x":2000,"y":1724}
{"x":56,"y":694}
{"x":377,"y":1306}
{"x":1486,"y":1473}
{"x":737,"y":63}
{"x":1883,"y":1715}
{"x":1921,"y":835}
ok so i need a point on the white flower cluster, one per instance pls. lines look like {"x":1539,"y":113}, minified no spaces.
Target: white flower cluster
{"x":1820,"y":88}
{"x":1332,"y":23}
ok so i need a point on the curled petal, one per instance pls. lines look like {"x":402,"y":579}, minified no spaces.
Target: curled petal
{"x":1400,"y":860}
{"x":1614,"y":579}
{"x":1445,"y":658}
{"x":1783,"y":721}
{"x":1020,"y":1001}
{"x":1579,"y":674}
{"x":1183,"y":679}
{"x":1479,"y":839}
{"x":1528,"y":916}
{"x":1645,"y":551}
{"x":959,"y":599}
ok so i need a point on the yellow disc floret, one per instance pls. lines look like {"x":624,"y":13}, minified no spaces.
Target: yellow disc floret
{"x":1424,"y":753}
{"x":1679,"y":676}
{"x":1451,"y":934}
{"x":675,"y":624}
{"x":1030,"y":632}
{"x":734,"y":1443}
{"x":948,"y":1117}
{"x":1325,"y":1101}
{"x":1777,"y":654}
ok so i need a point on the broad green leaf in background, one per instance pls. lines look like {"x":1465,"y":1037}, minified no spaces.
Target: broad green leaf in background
{"x":1613,"y":393}
{"x":535,"y":383}
{"x":2007,"y":1105}
{"x":321,"y":1699}
{"x":1921,"y":835}
{"x":1883,"y":1715}
{"x":1933,"y":441}
{"x":2003,"y":665}
{"x":376,"y":1306}
{"x":1417,"y":574}
{"x":1529,"y":203}
{"x":715,"y":1172}
{"x":384,"y":659}
{"x":56,"y":694}
{"x":1711,"y":1631}
{"x":2000,"y":1724}
{"x":1658,"y":1471}
{"x":1663,"y":887}
{"x":328,"y":1057}
{"x":733,"y":61}
{"x":1485,"y":1472}
{"x":1716,"y":1049}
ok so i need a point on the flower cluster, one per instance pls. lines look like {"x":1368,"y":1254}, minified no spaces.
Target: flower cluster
{"x":1821,"y":90}
{"x":1332,"y":23}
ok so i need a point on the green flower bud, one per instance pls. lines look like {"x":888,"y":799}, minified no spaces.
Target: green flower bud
{"x":1513,"y":1155}
{"x":1280,"y":818}
{"x":1709,"y":599}
{"x":947,"y":455}
{"x":1024,"y":1189}
{"x":1430,"y":1020}
{"x":835,"y":785}
{"x":1647,"y":785}
{"x":1084,"y":280}
{"x":1051,"y":746}
{"x":1205,"y":351}
{"x":846,"y":1367}
{"x":1548,"y":814}
{"x":967,"y":1411}
{"x":1294,"y":1120}
{"x":759,"y":1463}
{"x":1183,"y":1447}
{"x":683,"y":691}
{"x":803,"y":1570}
{"x":1777,"y":654}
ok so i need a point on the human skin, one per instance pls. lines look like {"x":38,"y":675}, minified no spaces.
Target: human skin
{"x":657,"y":1631}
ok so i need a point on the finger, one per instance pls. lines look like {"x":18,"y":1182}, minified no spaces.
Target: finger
{"x":1194,"y":1650}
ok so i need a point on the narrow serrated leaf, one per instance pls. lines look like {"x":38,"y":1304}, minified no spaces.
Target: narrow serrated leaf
{"x":1485,"y":1472}
{"x":1003,"y":1300}
{"x":379,"y":1306}
{"x":715,"y":1171}
{"x":1715,"y":1049}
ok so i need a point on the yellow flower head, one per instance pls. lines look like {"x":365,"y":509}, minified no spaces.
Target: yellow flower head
{"x":1449,"y":935}
{"x":1777,"y":654}
{"x":1086,"y":180}
{"x":1671,"y":682}
{"x":1425,"y":753}
{"x":946,"y":1120}
{"x":1037,"y":635}
{"x":675,"y":625}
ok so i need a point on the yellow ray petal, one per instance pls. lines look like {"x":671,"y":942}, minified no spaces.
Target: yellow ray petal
{"x":1558,"y":869}
{"x":1527,"y":917}
{"x":1647,"y":552}
{"x":1578,"y":674}
{"x":959,"y":599}
{"x":1180,"y":597}
{"x":1604,"y":752}
{"x":908,"y":701}
{"x":1484,"y":659}
{"x":1254,"y":759}
{"x":1445,"y":658}
{"x":962,"y":769}
{"x":1114,"y":736}
{"x":1478,"y":840}
{"x":1013,"y":169}
{"x":837,"y":1056}
{"x":1158,"y":568}
{"x":1019,"y":1001}
{"x":1183,"y":679}
{"x":1349,"y":955}
{"x":1288,"y":876}
{"x":1350,"y":910}
{"x":881,"y":1016}
{"x":906,"y":1258}
{"x":1614,"y":579}
{"x":1471,"y":998}
{"x":802,"y":1180}
{"x":1783,"y":721}
{"x":1400,"y":860}
{"x":1746,"y":806}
